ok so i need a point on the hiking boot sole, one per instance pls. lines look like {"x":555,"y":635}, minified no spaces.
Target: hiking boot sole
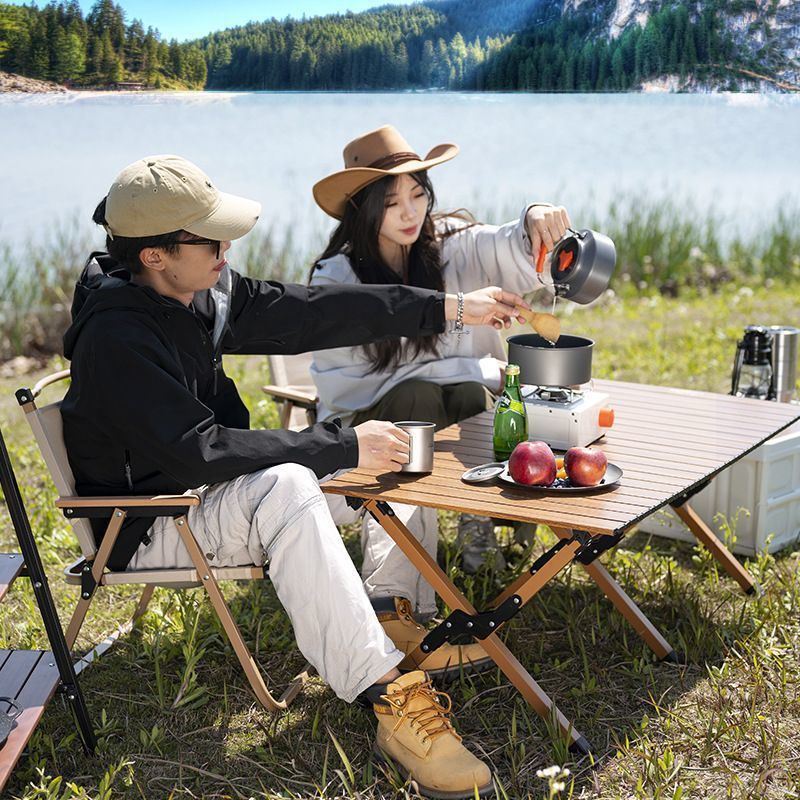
{"x":436,"y":794}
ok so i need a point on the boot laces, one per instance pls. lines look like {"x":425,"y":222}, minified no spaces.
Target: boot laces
{"x":404,"y":610}
{"x":432,"y":719}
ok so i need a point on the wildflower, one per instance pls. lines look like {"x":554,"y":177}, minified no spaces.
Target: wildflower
{"x":550,"y":772}
{"x":558,"y":786}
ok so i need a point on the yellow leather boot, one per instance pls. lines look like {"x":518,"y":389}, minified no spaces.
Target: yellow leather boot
{"x":395,"y":614}
{"x":415,"y":732}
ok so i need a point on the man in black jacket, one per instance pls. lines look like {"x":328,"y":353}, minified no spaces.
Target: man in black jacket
{"x":150,"y":410}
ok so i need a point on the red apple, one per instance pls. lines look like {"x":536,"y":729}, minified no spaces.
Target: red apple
{"x":533,"y":464}
{"x":585,"y":466}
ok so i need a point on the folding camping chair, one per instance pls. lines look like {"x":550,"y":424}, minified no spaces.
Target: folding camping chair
{"x":89,"y":572}
{"x":292,"y":387}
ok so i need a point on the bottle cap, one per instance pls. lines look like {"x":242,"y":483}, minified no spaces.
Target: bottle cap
{"x":512,"y":369}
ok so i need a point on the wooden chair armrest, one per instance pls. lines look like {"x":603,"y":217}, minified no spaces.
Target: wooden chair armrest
{"x":299,"y":397}
{"x":48,"y":380}
{"x":157,"y":501}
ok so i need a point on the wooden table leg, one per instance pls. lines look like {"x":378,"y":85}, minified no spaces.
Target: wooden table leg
{"x":449,"y":592}
{"x":640,"y":623}
{"x":532,"y":692}
{"x":716,"y":547}
{"x":616,"y":594}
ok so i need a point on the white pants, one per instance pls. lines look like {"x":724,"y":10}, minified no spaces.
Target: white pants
{"x":386,"y":571}
{"x":279,"y":515}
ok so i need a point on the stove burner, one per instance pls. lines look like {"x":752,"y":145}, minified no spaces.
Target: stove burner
{"x":555,"y":394}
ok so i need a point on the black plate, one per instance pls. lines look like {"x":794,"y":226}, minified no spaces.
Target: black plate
{"x":612,"y":476}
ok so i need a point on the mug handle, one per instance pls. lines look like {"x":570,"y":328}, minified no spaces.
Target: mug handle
{"x":410,"y":447}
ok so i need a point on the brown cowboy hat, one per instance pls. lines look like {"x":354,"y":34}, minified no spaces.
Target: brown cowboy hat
{"x":369,"y":158}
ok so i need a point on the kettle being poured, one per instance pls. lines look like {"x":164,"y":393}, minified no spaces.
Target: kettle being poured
{"x":581,"y":265}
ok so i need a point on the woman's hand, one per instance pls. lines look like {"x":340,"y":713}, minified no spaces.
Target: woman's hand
{"x":381,"y":446}
{"x":546,"y":224}
{"x":489,"y":306}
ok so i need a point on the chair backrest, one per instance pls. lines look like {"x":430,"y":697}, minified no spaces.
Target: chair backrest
{"x":47,"y":429}
{"x":292,"y":370}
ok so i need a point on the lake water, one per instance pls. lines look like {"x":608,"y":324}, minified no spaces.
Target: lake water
{"x":737,"y":155}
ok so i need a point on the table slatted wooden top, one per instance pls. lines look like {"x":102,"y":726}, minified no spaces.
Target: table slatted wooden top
{"x":666,"y":441}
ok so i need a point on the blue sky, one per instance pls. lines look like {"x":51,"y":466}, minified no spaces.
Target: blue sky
{"x":188,"y":20}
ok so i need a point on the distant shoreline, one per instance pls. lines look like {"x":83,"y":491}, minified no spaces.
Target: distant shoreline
{"x":11,"y":83}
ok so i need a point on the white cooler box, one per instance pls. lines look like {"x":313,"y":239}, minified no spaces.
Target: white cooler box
{"x":766,"y":482}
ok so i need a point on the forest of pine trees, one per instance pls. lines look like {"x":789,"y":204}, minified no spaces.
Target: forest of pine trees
{"x":417,"y":46}
{"x":562,"y":57}
{"x":403,"y":48}
{"x":57,"y":43}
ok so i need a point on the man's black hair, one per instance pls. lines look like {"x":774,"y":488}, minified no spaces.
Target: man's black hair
{"x":126,"y":249}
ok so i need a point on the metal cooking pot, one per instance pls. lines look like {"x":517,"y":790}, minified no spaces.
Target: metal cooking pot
{"x":582,"y":264}
{"x":567,"y":363}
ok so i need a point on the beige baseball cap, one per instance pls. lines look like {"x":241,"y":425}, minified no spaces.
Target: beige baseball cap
{"x":161,"y":194}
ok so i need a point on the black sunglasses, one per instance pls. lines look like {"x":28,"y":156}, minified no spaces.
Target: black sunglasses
{"x":207,"y":242}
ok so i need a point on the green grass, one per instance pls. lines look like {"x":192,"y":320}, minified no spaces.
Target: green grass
{"x":177,"y":719}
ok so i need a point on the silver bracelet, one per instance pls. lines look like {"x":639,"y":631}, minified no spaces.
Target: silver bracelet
{"x":458,"y":327}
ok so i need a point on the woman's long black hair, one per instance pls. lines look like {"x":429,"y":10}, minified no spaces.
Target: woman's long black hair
{"x":357,"y":237}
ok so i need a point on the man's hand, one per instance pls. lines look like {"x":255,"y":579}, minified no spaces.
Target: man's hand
{"x":546,"y":224}
{"x":489,"y":306}
{"x":381,"y":446}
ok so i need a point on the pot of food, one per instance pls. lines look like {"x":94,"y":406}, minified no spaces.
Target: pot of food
{"x":566,"y":363}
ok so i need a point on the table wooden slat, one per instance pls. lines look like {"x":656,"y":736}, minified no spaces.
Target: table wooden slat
{"x":666,"y":441}
{"x":11,"y":565}
{"x":30,"y":677}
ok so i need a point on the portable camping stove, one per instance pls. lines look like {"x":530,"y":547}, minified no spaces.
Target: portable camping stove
{"x":565,"y":416}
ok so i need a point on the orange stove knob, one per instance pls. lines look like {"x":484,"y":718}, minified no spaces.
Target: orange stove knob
{"x":606,"y":417}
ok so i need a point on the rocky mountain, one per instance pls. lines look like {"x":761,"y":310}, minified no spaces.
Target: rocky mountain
{"x":766,"y":33}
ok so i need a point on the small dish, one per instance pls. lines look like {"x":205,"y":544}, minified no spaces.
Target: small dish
{"x":484,"y":472}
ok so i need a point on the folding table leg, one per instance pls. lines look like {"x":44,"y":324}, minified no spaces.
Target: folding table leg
{"x":639,"y":622}
{"x":616,"y":594}
{"x":497,"y":650}
{"x":716,"y":547}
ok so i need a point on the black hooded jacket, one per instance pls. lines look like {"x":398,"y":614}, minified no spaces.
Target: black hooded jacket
{"x":150,"y":409}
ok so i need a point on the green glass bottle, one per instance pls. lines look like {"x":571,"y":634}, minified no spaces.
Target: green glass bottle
{"x":510,"y":419}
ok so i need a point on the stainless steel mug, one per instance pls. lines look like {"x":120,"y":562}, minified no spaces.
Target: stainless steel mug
{"x":420,"y":446}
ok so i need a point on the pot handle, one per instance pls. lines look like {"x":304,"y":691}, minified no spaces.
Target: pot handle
{"x":540,"y":258}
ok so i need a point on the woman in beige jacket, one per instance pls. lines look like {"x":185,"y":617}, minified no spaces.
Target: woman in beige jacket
{"x":388,"y":233}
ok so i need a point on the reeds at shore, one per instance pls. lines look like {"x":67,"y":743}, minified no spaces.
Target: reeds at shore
{"x":663,"y":246}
